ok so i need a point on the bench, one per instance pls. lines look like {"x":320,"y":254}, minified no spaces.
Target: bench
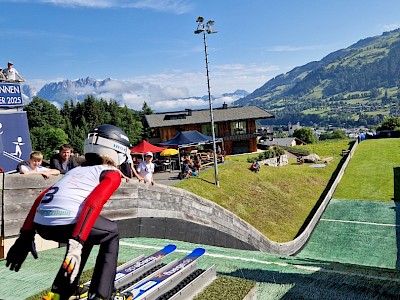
{"x":203,"y":166}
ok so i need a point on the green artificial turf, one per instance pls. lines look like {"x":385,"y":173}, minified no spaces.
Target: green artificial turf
{"x":369,"y":175}
{"x":356,"y":232}
{"x":276,"y":277}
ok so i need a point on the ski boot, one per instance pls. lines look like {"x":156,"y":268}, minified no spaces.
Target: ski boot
{"x":80,"y":293}
{"x":51,"y":296}
{"x":122,"y":296}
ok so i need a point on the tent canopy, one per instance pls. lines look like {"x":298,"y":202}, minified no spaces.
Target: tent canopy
{"x":188,"y":138}
{"x":145,"y":146}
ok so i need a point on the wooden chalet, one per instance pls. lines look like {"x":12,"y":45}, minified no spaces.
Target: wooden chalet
{"x":236,"y":125}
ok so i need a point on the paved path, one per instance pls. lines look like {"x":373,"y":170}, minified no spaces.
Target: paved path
{"x":167,"y":178}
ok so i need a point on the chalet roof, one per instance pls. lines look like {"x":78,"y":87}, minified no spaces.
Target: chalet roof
{"x":188,"y":117}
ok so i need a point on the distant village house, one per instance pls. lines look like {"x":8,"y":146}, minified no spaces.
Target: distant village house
{"x":292,"y":127}
{"x":282,"y":142}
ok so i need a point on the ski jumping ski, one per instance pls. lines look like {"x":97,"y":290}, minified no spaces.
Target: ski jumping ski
{"x":143,"y":288}
{"x":136,"y":267}
{"x":133,"y":269}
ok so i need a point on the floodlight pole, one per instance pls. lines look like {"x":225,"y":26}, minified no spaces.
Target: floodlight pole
{"x":206,"y":28}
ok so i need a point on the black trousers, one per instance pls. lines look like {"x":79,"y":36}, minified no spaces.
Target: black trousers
{"x":103,"y":233}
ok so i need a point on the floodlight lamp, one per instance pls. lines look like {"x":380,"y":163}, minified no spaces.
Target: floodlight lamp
{"x":210,"y":23}
{"x":210,"y":30}
{"x":198,"y":31}
{"x":200,"y":20}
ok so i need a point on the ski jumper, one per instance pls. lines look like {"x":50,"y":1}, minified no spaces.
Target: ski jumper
{"x":71,"y":209}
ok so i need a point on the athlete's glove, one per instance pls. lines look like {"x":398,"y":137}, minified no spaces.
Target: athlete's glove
{"x":19,"y":251}
{"x":72,"y":260}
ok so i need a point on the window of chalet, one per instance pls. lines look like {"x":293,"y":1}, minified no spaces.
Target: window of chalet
{"x":175,"y":117}
{"x":155,"y":133}
{"x":206,"y":129}
{"x":238,"y":127}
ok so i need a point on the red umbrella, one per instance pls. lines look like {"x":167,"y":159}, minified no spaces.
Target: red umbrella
{"x":145,"y":146}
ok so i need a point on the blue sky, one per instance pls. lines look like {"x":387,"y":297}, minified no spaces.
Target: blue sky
{"x":151,"y":45}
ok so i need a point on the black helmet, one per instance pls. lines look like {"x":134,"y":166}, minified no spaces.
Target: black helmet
{"x":108,"y":140}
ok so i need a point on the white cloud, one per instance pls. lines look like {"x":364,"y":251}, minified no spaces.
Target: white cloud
{"x":177,"y":104}
{"x":171,"y":6}
{"x":177,"y":89}
{"x":193,"y":103}
{"x":132,"y":100}
{"x":223,"y":79}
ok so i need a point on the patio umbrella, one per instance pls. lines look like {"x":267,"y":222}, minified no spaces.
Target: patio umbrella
{"x":169,"y":152}
{"x":144,"y":146}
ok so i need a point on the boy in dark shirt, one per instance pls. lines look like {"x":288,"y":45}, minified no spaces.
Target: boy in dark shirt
{"x":63,"y":160}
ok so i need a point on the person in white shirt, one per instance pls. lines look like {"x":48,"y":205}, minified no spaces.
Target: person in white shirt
{"x":11,"y":73}
{"x":146,"y":168}
{"x":34,"y":166}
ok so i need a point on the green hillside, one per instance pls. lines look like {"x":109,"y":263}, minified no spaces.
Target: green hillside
{"x":276,"y":201}
{"x":355,"y":86}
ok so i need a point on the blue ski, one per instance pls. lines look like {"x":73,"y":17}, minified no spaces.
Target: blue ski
{"x":140,"y":289}
{"x":144,"y":261}
{"x":126,"y":271}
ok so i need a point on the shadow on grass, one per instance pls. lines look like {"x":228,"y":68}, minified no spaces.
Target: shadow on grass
{"x":323,"y":195}
{"x":202,"y":179}
{"x":320,"y":284}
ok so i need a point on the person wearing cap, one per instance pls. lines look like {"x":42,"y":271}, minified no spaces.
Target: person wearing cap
{"x":146,"y":168}
{"x":11,"y":73}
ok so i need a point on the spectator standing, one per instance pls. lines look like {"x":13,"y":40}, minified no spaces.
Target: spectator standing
{"x":34,"y":166}
{"x":64,"y":159}
{"x":146,"y":168}
{"x":11,"y":73}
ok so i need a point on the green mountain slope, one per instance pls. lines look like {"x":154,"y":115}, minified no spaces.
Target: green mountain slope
{"x":358,"y":85}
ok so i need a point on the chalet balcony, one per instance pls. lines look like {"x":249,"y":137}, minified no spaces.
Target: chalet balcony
{"x":245,"y":136}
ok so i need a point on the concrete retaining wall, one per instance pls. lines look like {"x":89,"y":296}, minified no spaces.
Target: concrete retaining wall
{"x":156,"y":211}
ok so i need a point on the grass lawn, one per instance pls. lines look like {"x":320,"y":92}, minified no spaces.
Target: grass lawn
{"x":313,"y":111}
{"x":369,"y":175}
{"x":276,"y":201}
